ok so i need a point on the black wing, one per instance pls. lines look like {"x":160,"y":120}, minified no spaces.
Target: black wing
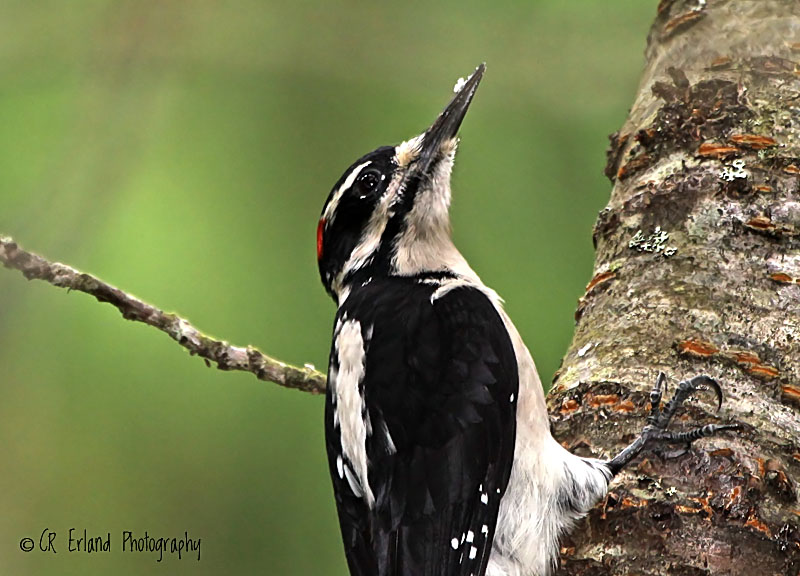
{"x":439,"y":391}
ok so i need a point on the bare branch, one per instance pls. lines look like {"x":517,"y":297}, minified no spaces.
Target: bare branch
{"x":225,"y":356}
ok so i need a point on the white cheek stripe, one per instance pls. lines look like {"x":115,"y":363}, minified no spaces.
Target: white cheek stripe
{"x":330,"y":211}
{"x":351,"y":354}
{"x":370,"y":239}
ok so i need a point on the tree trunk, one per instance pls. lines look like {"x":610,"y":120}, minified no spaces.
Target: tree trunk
{"x":697,"y":271}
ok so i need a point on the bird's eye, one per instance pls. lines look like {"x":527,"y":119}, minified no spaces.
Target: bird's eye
{"x":367,"y":182}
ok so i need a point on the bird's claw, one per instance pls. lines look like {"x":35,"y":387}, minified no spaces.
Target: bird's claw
{"x":704,"y":382}
{"x":659,"y":419}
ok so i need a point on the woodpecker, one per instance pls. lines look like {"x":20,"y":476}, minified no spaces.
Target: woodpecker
{"x":436,"y":427}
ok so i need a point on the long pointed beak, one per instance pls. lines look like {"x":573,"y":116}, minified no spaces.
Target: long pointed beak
{"x":446,"y":126}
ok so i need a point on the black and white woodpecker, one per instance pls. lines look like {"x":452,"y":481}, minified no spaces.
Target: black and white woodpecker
{"x":436,"y":428}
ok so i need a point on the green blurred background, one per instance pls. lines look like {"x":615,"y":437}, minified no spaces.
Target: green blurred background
{"x":182,"y":151}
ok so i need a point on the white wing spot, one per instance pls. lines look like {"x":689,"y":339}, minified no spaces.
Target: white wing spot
{"x":340,"y":466}
{"x":511,"y":398}
{"x":473,"y":552}
{"x":354,"y":483}
{"x":389,"y":442}
{"x":454,"y":543}
{"x":484,"y":529}
{"x":485,"y":498}
{"x":470,"y":536}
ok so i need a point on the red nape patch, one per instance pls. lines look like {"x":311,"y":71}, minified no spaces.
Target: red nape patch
{"x":320,"y":230}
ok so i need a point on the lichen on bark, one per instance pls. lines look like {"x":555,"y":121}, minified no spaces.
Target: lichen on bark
{"x":707,"y":166}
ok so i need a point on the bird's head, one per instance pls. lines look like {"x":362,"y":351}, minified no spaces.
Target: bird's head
{"x":389,"y":212}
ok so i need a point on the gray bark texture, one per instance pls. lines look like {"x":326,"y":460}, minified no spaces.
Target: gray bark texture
{"x":697,"y":271}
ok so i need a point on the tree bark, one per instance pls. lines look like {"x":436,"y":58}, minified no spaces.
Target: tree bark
{"x":697,"y":271}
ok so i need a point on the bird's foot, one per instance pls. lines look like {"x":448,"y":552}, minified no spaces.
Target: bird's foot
{"x":655,"y":432}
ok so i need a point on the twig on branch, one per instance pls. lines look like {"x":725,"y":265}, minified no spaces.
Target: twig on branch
{"x":225,"y":356}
